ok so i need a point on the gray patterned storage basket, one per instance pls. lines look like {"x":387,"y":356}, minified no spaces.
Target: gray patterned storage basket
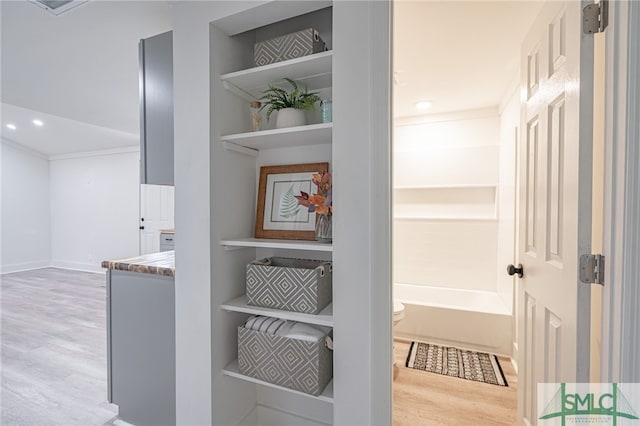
{"x":295,"y":364}
{"x":289,"y":46}
{"x":297,"y":285}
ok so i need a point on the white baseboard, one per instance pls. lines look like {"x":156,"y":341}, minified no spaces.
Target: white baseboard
{"x":77,"y":266}
{"x":72,"y":266}
{"x":27,"y":266}
{"x":514,"y":357}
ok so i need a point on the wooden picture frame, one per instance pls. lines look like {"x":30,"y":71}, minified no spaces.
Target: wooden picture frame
{"x":278,"y":214}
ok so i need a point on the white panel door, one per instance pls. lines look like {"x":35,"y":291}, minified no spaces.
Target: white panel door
{"x":555,"y":203}
{"x":156,"y":213}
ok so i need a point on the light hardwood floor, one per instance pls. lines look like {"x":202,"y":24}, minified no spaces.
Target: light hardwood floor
{"x":421,"y":398}
{"x":53,"y":362}
{"x":53,"y":350}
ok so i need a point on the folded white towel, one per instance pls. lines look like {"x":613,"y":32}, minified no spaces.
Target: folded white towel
{"x":289,"y":329}
{"x":264,"y":324}
{"x":303,"y":331}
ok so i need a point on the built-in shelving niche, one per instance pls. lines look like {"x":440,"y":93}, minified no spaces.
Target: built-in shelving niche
{"x":237,"y":156}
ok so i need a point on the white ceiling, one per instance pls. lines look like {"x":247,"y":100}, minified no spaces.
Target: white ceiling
{"x":81,"y":66}
{"x":59,"y":135}
{"x":458,"y":54}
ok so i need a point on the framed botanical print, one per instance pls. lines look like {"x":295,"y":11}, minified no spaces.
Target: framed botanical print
{"x":279,"y":215}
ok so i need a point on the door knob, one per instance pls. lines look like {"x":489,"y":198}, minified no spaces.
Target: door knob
{"x":512,"y":270}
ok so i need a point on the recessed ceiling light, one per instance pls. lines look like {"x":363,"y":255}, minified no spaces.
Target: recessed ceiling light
{"x":423,"y":105}
{"x":37,"y":122}
{"x":11,"y":126}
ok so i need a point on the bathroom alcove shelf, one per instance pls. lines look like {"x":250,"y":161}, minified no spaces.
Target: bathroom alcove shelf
{"x":447,"y":202}
{"x":233,"y":370}
{"x":452,"y":186}
{"x":277,"y":244}
{"x":312,"y":71}
{"x":313,"y":134}
{"x":434,"y":218}
{"x":239,"y":304}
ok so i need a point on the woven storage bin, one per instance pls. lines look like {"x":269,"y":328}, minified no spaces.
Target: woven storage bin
{"x":295,"y":364}
{"x":289,"y":46}
{"x":296,"y":285}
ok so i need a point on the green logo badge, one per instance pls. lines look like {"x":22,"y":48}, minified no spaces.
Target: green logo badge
{"x":595,"y":403}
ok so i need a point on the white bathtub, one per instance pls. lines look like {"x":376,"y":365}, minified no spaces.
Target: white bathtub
{"x":478,"y":320}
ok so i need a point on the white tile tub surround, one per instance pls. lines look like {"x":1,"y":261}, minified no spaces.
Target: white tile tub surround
{"x":469,"y":319}
{"x":453,"y":226}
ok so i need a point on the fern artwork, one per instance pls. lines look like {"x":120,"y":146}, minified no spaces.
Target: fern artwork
{"x":276,"y":98}
{"x":289,"y":206}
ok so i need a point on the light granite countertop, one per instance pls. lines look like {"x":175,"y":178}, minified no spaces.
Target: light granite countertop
{"x":162,"y":263}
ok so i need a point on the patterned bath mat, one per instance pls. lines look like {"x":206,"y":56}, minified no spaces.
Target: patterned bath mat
{"x":450,"y":361}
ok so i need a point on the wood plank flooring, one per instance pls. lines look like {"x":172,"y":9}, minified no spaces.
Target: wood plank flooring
{"x":53,"y":349}
{"x":53,"y":362}
{"x":421,"y":398}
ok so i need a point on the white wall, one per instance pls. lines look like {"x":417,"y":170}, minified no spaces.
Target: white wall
{"x":94,"y":208}
{"x":508,"y":165}
{"x":445,"y":221}
{"x":508,"y":201}
{"x":193,"y":203}
{"x":26,"y":241}
{"x":362,"y":230}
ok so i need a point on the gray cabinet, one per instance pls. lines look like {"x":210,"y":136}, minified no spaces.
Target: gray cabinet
{"x":141,"y":347}
{"x":167,"y":241}
{"x":156,"y":109}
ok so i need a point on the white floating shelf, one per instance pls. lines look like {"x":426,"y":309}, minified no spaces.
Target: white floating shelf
{"x":313,"y":134}
{"x":278,"y":244}
{"x":232,"y":370}
{"x":312,"y":71}
{"x":446,"y":218}
{"x":454,"y":186}
{"x":325,"y":317}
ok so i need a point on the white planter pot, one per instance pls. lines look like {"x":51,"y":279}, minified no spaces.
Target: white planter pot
{"x":290,"y":117}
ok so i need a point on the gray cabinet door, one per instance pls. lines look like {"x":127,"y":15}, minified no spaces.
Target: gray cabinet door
{"x":141,"y":347}
{"x":156,"y":109}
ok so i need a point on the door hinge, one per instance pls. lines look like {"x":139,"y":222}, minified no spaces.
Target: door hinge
{"x":595,"y":17}
{"x":592,"y":269}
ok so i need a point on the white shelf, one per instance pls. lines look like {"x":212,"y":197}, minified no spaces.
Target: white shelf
{"x":427,"y":218}
{"x":278,"y":244}
{"x":325,"y":317}
{"x":232,"y":370}
{"x":313,"y":134}
{"x":312,"y":71}
{"x":454,"y":186}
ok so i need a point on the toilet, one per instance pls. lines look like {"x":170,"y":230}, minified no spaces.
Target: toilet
{"x":398,"y":315}
{"x":398,"y":312}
